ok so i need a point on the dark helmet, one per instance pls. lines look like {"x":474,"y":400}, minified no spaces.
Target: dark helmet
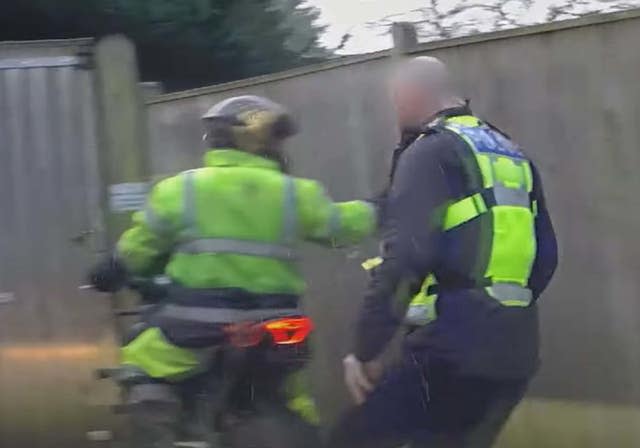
{"x":248,"y":123}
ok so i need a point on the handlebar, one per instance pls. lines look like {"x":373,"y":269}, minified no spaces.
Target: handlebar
{"x":151,"y":291}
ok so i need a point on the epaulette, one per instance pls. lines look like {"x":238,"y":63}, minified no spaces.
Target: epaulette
{"x":433,"y":127}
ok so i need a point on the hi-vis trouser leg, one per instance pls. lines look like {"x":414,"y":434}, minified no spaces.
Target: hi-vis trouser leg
{"x":154,"y":406}
{"x":299,"y":397}
{"x":152,"y":353}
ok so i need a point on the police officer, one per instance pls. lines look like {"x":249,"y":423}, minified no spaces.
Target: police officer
{"x":226,"y":236}
{"x":469,"y":248}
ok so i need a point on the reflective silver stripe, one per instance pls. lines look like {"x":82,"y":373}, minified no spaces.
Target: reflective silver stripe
{"x":419,"y":315}
{"x":222,"y":315}
{"x":231,"y":246}
{"x":518,"y":197}
{"x":510,"y":292}
{"x":156,"y":223}
{"x":189,"y":203}
{"x":289,"y":210}
{"x":334,"y":221}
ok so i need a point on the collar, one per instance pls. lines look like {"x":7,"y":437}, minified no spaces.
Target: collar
{"x":451,"y":112}
{"x":409,"y":134}
{"x":233,"y":157}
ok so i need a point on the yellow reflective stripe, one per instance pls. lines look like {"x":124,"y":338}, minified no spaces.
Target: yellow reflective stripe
{"x":371,"y":263}
{"x":514,"y":303}
{"x":508,"y":172}
{"x":464,"y":120}
{"x":486,"y":168}
{"x":463,"y":211}
{"x":528,"y":176}
{"x":534,"y":207}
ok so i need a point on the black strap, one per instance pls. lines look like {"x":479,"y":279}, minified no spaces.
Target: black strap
{"x":489,"y":197}
{"x":458,"y":285}
{"x":233,"y":298}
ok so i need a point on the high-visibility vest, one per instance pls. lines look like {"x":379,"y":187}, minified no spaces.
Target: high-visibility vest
{"x":235,"y":224}
{"x":504,"y":190}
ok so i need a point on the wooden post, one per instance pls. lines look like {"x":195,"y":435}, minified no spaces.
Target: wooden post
{"x":123,"y":137}
{"x":405,"y":37}
{"x":123,"y":131}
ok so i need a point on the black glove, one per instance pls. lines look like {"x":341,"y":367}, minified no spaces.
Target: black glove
{"x":109,"y":275}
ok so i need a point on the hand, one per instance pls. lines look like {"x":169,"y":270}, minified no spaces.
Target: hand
{"x":109,"y":275}
{"x":357,"y":379}
{"x":374,"y":370}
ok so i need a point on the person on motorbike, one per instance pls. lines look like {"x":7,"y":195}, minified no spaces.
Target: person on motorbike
{"x":225,"y":235}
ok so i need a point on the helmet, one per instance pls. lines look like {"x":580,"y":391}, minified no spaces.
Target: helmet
{"x":249,"y":123}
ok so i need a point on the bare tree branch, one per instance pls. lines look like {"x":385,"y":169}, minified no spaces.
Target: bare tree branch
{"x":436,"y":21}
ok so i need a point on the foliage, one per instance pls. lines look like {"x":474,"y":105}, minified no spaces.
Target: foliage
{"x":183,"y":43}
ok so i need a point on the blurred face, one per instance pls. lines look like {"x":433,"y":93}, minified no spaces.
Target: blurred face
{"x":411,"y":104}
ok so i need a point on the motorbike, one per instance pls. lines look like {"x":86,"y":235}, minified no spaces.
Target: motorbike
{"x":239,"y":400}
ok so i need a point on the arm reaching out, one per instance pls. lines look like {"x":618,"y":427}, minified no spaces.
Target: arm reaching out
{"x":332,"y":223}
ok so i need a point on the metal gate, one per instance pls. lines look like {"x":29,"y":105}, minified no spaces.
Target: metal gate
{"x":52,"y":335}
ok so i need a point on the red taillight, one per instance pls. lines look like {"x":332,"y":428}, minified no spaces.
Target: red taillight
{"x":290,"y":330}
{"x":244,"y":334}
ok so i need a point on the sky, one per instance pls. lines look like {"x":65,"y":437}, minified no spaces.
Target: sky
{"x":351,"y":16}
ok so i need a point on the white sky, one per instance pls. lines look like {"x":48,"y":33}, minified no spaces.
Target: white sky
{"x":350,"y":16}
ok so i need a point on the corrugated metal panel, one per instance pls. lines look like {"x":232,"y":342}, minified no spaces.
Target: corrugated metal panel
{"x":52,"y":336}
{"x":43,"y":62}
